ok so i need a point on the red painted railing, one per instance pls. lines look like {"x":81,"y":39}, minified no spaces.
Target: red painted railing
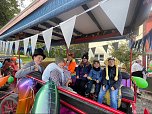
{"x":84,"y":99}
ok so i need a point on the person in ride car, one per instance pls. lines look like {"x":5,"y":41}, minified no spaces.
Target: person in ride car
{"x":94,"y":77}
{"x":111,"y":80}
{"x":82,"y":73}
{"x":57,"y":73}
{"x":32,"y":66}
{"x":70,"y":63}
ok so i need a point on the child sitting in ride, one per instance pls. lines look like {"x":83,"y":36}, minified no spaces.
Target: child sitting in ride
{"x":30,"y":67}
{"x":94,"y":77}
{"x":111,"y":80}
{"x":82,"y":72}
{"x":57,"y":73}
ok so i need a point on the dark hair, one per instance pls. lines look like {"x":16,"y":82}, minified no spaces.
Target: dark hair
{"x":8,"y":60}
{"x":96,"y":61}
{"x":71,"y":54}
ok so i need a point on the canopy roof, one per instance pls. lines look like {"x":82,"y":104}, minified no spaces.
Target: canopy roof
{"x":91,"y":26}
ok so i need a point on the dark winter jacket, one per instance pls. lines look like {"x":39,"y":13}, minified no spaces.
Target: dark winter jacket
{"x":83,"y":69}
{"x":111,"y":82}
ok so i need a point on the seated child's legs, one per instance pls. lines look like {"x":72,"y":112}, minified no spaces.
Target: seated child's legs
{"x":114,"y":98}
{"x":102,"y":94}
{"x":97,"y":88}
{"x":77,"y":85}
{"x":89,"y":86}
{"x":82,"y":87}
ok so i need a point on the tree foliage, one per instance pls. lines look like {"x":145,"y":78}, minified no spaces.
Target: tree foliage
{"x":123,"y":55}
{"x":8,"y":9}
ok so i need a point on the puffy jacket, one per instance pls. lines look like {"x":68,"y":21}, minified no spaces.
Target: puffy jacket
{"x":111,"y":82}
{"x":95,"y":75}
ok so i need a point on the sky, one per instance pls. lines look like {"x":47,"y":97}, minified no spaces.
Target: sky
{"x":25,"y":4}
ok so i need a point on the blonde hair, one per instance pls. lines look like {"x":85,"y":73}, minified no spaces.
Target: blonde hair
{"x":117,"y":62}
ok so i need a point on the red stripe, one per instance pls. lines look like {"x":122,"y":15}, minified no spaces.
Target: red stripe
{"x":85,"y":99}
{"x":71,"y":107}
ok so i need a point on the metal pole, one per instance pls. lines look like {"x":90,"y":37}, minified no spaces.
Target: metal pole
{"x":18,"y":37}
{"x":130,"y":65}
{"x":19,"y":57}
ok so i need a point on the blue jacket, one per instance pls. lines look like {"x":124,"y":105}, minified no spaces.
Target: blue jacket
{"x":82,"y":70}
{"x":95,"y":75}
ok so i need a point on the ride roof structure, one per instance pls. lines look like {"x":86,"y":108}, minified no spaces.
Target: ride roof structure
{"x":92,"y":26}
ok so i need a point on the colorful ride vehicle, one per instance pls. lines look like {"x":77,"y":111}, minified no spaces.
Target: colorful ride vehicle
{"x":21,"y":98}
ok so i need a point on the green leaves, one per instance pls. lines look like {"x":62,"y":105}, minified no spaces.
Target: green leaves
{"x":123,"y":55}
{"x":8,"y":9}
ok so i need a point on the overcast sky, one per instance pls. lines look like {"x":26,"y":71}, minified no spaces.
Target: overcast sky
{"x":25,"y":4}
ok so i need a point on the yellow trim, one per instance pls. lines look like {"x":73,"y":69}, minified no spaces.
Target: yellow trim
{"x":117,"y":62}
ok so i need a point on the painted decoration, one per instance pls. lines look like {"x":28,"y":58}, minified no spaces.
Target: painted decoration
{"x":47,"y":100}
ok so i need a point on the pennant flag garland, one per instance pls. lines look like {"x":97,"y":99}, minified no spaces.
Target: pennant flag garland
{"x":16,"y":46}
{"x":139,"y":44}
{"x":10,"y":48}
{"x":105,"y":47}
{"x":47,"y":35}
{"x":26,"y":43}
{"x":150,"y":39}
{"x":144,"y":41}
{"x":136,"y":43}
{"x":6,"y":47}
{"x":93,"y":50}
{"x":116,"y":14}
{"x":115,"y":45}
{"x":4,"y":44}
{"x":33,"y":42}
{"x":67,"y":29}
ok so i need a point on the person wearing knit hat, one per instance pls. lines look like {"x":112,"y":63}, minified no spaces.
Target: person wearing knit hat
{"x":82,"y":73}
{"x":111,"y":80}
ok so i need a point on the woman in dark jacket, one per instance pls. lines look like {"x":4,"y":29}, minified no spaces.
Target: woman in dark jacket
{"x":82,"y":73}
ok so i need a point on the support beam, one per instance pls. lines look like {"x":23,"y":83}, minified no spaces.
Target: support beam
{"x":85,"y":7}
{"x":41,"y":29}
{"x":107,"y":37}
{"x":48,"y":25}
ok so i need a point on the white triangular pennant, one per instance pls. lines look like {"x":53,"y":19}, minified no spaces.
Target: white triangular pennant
{"x":4,"y":44}
{"x":47,"y":35}
{"x":33,"y":42}
{"x":16,"y":46}
{"x":1,"y":46}
{"x":10,"y":48}
{"x":26,"y":43}
{"x":67,"y":29}
{"x":6,"y":47}
{"x":116,"y":14}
